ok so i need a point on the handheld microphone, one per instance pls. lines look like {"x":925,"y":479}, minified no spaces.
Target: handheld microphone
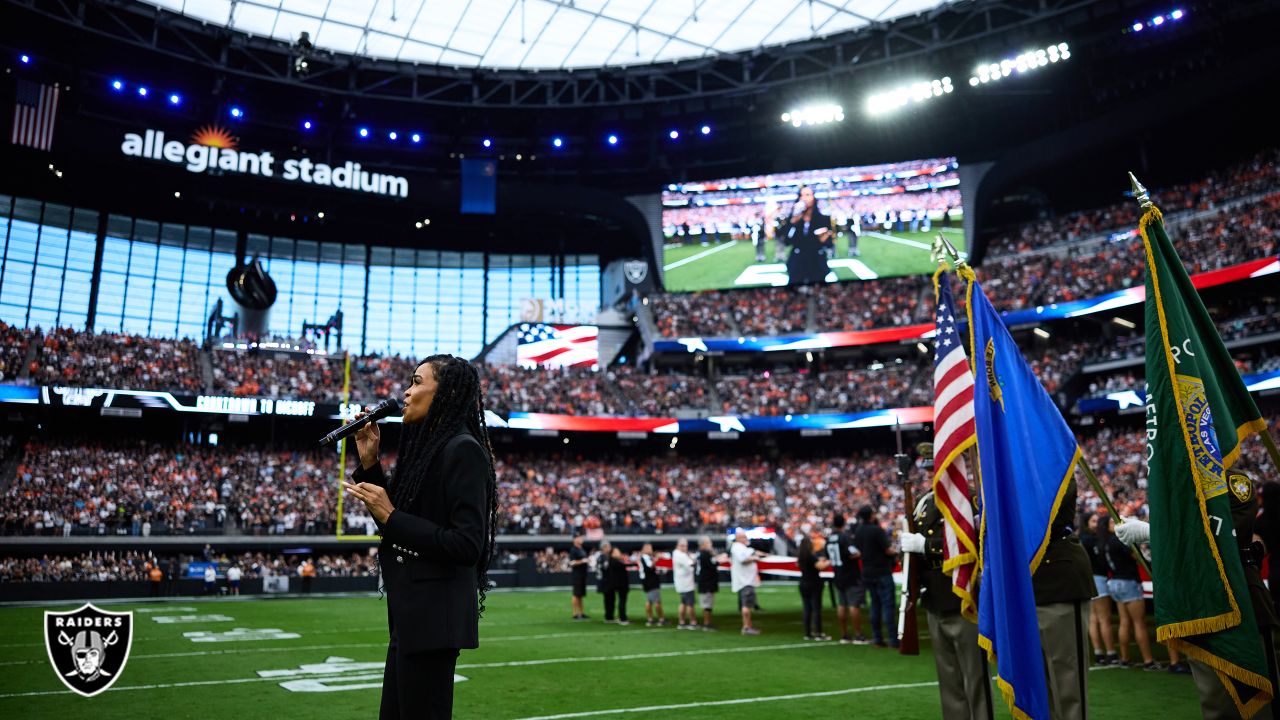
{"x":386,"y":408}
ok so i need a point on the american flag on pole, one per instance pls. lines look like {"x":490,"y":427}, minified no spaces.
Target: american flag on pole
{"x":540,"y":344}
{"x":34,"y":110}
{"x":953,"y":433}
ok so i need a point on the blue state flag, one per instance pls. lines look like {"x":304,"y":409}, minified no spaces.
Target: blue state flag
{"x":1026,"y":457}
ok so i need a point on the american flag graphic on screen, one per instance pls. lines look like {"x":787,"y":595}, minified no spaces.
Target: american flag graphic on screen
{"x":35,"y":108}
{"x":546,"y":345}
{"x":954,"y":432}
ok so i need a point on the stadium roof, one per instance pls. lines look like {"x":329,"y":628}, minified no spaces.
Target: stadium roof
{"x":544,"y":34}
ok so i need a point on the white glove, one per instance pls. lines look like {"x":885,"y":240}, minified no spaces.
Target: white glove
{"x":1132,"y":531}
{"x":911,"y":542}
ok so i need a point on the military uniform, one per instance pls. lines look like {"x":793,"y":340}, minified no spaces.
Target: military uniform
{"x":962,"y":670}
{"x":1063,"y":585}
{"x":1215,"y":703}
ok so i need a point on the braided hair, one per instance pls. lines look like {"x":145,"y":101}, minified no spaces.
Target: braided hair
{"x":458,"y":405}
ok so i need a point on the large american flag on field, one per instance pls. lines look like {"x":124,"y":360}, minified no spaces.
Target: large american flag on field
{"x":953,"y":433}
{"x":35,"y":108}
{"x":540,"y":344}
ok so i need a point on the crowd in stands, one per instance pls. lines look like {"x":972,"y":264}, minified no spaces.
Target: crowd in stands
{"x":135,"y":565}
{"x":113,"y":360}
{"x":648,"y":394}
{"x":142,"y":489}
{"x":284,"y":375}
{"x":566,"y":391}
{"x":768,"y":392}
{"x":1259,"y":174}
{"x":554,"y":494}
{"x":14,"y":342}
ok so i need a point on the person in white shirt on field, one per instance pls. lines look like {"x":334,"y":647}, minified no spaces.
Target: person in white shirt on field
{"x":233,"y":579}
{"x":744,"y":577}
{"x":682,"y":564}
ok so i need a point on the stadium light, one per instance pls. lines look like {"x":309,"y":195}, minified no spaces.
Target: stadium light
{"x":117,"y":85}
{"x":706,"y":129}
{"x":25,"y":58}
{"x":364,"y":132}
{"x":881,"y":103}
{"x":989,"y":72}
{"x":306,"y":124}
{"x":175,"y":99}
{"x":236,"y":112}
{"x":674,"y":134}
{"x":142,"y":91}
{"x":817,"y":114}
{"x":557,"y":142}
{"x":613,"y":139}
{"x":393,"y":135}
{"x":416,"y":138}
{"x":487,"y":142}
{"x":1157,"y":21}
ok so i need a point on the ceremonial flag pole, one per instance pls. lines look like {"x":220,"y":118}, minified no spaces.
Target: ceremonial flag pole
{"x":1199,"y":413}
{"x":942,"y":244}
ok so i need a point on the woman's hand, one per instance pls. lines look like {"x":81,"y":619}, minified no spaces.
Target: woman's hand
{"x":374,"y":498}
{"x":367,"y":440}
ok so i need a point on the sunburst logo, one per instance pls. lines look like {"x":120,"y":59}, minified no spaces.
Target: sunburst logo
{"x":215,"y":136}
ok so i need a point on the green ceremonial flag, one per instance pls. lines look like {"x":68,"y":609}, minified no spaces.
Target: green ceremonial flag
{"x":1198,"y":413}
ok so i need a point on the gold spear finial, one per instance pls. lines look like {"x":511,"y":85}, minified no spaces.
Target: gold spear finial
{"x":944,"y":250}
{"x":1140,"y":193}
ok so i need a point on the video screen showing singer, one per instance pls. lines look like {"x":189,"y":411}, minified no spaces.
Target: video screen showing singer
{"x":438,"y":516}
{"x":807,"y":232}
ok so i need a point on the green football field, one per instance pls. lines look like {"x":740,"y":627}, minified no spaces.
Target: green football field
{"x":533,"y":663}
{"x":732,"y":264}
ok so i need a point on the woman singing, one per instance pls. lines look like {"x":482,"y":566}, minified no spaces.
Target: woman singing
{"x":437,"y":515}
{"x":808,"y":233}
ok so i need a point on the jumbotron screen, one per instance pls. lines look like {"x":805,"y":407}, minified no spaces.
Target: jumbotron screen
{"x":811,"y":226}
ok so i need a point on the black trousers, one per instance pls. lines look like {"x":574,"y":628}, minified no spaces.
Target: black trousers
{"x":812,"y":597}
{"x":418,"y":685}
{"x":616,"y":598}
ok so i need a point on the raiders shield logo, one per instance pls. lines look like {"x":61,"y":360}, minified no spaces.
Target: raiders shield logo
{"x":88,"y":648}
{"x":636,"y":271}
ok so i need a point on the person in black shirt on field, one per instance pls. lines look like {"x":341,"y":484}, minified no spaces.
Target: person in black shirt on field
{"x":614,"y":584}
{"x":877,"y":575}
{"x":811,"y":566}
{"x":850,"y":595}
{"x":578,"y":566}
{"x":1125,"y":586}
{"x":707,"y":575}
{"x":1100,"y":633}
{"x":652,"y":586}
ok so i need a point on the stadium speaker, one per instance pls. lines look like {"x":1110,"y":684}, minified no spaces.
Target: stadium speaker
{"x":254,"y":292}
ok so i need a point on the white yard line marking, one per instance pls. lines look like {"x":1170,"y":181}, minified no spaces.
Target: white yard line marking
{"x":901,"y":241}
{"x":291,"y":648}
{"x":735,"y":701}
{"x":645,"y":656}
{"x":699,"y":256}
{"x":241,"y":681}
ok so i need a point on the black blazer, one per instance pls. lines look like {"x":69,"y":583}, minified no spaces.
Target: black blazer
{"x":431,"y":551}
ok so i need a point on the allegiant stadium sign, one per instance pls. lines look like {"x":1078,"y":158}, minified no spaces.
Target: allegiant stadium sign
{"x":214,"y":150}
